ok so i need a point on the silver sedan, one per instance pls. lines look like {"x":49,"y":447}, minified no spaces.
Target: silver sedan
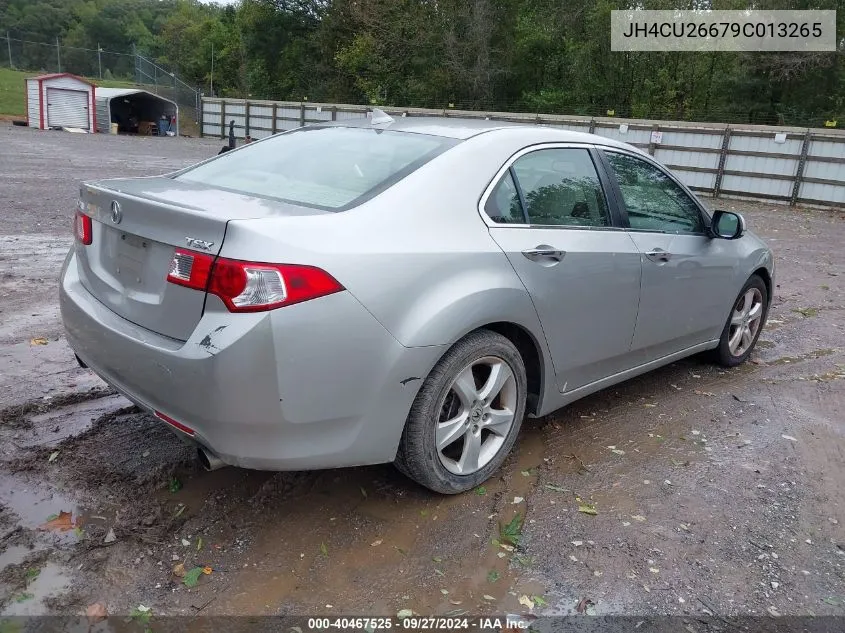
{"x":400,"y":290}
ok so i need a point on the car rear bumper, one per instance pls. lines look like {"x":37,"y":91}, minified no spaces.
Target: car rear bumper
{"x":319,"y":384}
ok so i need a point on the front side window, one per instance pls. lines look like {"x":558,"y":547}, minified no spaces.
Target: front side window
{"x":331,"y":168}
{"x":653,"y":200}
{"x":561,"y":188}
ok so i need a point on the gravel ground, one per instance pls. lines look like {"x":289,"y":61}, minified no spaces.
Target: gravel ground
{"x":716,"y":491}
{"x":41,"y":171}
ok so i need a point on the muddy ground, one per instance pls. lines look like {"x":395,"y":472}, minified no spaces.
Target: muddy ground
{"x":715,"y":491}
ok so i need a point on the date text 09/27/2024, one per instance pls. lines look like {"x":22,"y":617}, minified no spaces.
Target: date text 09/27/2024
{"x":420,"y":623}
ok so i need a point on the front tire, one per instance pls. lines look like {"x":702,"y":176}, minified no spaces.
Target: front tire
{"x":466,"y":416}
{"x":745,"y":322}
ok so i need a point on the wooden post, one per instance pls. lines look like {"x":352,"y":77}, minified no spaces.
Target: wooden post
{"x":273,"y":125}
{"x":652,"y":147}
{"x":222,"y":119}
{"x":301,"y":114}
{"x":723,"y":156}
{"x":334,"y":113}
{"x":246,"y":119}
{"x":802,"y":161}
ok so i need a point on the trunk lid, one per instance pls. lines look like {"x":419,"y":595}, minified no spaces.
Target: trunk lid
{"x":138,"y":224}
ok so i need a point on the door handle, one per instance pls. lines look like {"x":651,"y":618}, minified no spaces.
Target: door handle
{"x":544,"y":253}
{"x":659,"y":255}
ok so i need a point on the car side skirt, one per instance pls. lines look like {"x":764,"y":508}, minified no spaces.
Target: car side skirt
{"x":598,"y":385}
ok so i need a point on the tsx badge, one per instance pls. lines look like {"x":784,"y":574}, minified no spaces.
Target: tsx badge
{"x":195,"y":243}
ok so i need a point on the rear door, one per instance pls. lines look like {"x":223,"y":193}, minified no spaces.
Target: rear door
{"x":688,"y":278}
{"x":67,"y":108}
{"x":549,"y":214}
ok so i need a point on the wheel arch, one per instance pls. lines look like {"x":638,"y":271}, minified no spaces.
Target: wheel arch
{"x":537,"y":367}
{"x":766,"y":276}
{"x":416,"y":454}
{"x":529,"y":348}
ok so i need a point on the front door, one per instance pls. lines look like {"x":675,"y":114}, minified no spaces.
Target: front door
{"x":551,"y":218}
{"x":688,"y":278}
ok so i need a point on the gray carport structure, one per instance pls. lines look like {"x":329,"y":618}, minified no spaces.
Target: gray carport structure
{"x":118,"y":105}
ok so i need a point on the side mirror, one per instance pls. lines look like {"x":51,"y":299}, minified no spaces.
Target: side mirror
{"x":727,"y":225}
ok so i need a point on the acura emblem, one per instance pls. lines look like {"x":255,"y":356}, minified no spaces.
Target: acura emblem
{"x":116,"y":215}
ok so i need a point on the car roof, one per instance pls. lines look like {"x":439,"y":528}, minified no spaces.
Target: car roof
{"x":449,"y":127}
{"x":465,"y":128}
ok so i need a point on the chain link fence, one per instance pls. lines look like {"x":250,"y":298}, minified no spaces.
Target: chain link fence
{"x":168,"y":85}
{"x":105,"y":68}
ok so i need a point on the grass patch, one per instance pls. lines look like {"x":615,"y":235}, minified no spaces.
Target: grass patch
{"x":12,"y":95}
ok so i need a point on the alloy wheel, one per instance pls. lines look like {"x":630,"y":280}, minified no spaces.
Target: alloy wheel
{"x":476,"y":416}
{"x":746,"y":318}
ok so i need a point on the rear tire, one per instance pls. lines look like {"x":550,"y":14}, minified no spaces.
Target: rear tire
{"x":745,"y":322}
{"x":466,"y":416}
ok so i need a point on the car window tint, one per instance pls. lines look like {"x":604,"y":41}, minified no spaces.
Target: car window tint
{"x":327,"y":167}
{"x":502,"y":205}
{"x":561,"y":187}
{"x":654,"y":201}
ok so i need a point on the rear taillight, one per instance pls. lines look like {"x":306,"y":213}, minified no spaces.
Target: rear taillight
{"x":249,"y":286}
{"x":189,"y":268}
{"x":82,"y":228}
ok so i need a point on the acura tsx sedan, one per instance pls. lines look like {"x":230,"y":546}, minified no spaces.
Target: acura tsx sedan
{"x":403,"y":291}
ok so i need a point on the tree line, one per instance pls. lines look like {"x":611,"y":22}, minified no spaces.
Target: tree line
{"x":545,"y":56}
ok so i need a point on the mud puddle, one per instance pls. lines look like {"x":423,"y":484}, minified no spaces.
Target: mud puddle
{"x":369,"y":540}
{"x":51,"y":427}
{"x":34,"y":504}
{"x":58,"y":376}
{"x":32,"y":598}
{"x":28,"y":285}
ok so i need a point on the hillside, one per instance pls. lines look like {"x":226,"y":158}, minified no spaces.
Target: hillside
{"x":542,"y":56}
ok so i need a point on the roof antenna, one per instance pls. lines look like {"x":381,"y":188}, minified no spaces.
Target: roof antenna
{"x":380,"y":116}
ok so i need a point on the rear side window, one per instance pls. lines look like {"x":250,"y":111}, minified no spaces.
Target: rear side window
{"x":332,"y":168}
{"x":503,"y":205}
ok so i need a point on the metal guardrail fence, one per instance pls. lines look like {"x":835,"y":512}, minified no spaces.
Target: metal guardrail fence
{"x":783,"y":164}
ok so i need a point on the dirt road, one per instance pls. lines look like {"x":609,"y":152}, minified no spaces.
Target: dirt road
{"x":713,"y":491}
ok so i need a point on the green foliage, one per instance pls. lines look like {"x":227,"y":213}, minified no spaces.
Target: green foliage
{"x":511,"y":532}
{"x":192,"y":577}
{"x":526,"y":55}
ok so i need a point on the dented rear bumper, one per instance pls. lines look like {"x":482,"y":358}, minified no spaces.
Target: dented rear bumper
{"x":319,"y":384}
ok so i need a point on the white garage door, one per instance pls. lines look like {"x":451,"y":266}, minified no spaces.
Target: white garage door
{"x":67,"y":108}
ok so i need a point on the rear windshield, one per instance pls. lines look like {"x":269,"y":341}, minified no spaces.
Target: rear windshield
{"x":331,"y":168}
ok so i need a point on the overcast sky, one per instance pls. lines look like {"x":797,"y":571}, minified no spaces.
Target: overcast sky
{"x":220,"y":1}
